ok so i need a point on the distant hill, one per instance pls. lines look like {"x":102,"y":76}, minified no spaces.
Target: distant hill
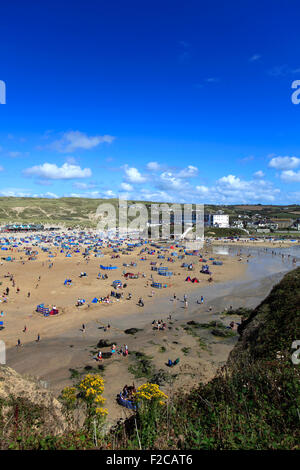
{"x":81,"y":211}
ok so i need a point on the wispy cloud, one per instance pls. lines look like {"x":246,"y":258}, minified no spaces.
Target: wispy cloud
{"x":282,"y":70}
{"x":255,"y":58}
{"x":185,"y":53}
{"x":76,"y":140}
{"x":212,"y":80}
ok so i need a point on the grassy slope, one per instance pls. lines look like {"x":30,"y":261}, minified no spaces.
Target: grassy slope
{"x":81,"y":211}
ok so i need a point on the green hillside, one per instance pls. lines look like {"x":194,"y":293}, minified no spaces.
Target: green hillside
{"x":81,"y":211}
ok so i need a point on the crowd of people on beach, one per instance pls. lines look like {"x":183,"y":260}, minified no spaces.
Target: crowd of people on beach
{"x":88,"y":245}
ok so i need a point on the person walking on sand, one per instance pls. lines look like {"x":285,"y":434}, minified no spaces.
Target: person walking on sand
{"x":185,"y":303}
{"x":19,"y":343}
{"x":25,"y":329}
{"x":83,"y":328}
{"x":38,"y":338}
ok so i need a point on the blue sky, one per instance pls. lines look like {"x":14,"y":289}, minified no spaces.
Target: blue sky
{"x":164,"y":100}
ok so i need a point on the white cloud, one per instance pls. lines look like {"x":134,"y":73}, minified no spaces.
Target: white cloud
{"x":133,"y":175}
{"x":74,"y":140}
{"x":109,"y":193}
{"x":259,"y":174}
{"x":15,"y":192}
{"x":202,"y":189}
{"x":188,"y":172}
{"x":232,"y":181}
{"x":231,"y":189}
{"x":52,"y":171}
{"x":126,"y":186}
{"x":156,"y":196}
{"x":153,"y":166}
{"x":290,"y":176}
{"x":284,"y":163}
{"x":78,"y":185}
{"x":47,"y":195}
{"x":168,"y":181}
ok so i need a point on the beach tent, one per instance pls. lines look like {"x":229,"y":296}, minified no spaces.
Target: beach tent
{"x":95,"y":300}
{"x":54,"y":311}
{"x":195,"y":280}
{"x":108,"y":267}
{"x":117,"y":283}
{"x":188,"y":279}
{"x":42,"y":309}
{"x":68,"y":282}
{"x":157,"y":285}
{"x":131,"y":275}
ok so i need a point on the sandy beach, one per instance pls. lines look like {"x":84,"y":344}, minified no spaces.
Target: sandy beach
{"x":65,"y":352}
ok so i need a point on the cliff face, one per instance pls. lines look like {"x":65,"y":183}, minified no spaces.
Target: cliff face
{"x":273,"y":325}
{"x":18,"y":393}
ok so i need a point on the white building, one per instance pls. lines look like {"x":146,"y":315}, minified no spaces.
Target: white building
{"x":216,"y":220}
